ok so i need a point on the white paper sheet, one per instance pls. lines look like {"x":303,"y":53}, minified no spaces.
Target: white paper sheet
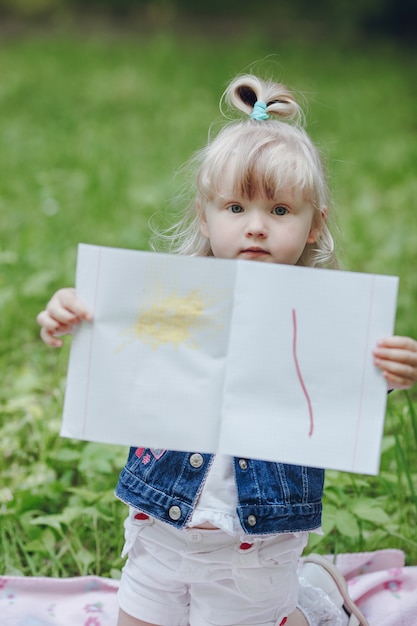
{"x":250,"y":359}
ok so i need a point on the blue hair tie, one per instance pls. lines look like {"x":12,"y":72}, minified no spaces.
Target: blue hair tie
{"x":258,"y":112}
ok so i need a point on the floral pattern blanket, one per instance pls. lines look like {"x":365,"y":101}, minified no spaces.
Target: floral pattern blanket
{"x":379,"y":582}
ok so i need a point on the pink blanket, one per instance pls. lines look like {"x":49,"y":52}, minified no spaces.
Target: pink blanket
{"x":379,"y":582}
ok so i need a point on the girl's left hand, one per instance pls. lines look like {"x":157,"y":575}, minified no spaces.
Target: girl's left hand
{"x":397,"y":358}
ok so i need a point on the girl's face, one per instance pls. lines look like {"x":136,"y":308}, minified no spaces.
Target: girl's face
{"x":273,"y":231}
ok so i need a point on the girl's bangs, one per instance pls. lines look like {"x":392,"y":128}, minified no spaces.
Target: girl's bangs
{"x":263,"y":169}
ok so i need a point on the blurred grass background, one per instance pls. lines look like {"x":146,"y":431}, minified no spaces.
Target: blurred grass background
{"x":99,"y":108}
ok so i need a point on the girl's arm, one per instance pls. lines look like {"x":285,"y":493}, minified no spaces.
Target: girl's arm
{"x":62,"y":313}
{"x":397,"y":358}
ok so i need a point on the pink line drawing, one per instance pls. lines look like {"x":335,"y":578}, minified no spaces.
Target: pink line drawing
{"x":297,"y":367}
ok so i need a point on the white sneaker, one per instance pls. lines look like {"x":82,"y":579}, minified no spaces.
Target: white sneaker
{"x":319,"y":572}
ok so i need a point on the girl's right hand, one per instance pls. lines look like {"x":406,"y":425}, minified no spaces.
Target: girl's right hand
{"x":64,"y":311}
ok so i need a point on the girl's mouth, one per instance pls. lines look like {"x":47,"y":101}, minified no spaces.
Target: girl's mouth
{"x":254,"y":251}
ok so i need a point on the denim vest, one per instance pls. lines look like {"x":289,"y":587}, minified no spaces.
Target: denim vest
{"x":272,"y":497}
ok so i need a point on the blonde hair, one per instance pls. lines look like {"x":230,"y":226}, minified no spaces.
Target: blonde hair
{"x":267,"y":155}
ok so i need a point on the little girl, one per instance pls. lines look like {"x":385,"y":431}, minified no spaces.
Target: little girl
{"x":216,"y":540}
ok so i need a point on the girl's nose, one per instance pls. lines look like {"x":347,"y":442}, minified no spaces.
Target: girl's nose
{"x":256,"y":227}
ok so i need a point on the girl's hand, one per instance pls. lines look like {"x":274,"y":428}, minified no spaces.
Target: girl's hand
{"x":397,"y":358}
{"x":64,"y":311}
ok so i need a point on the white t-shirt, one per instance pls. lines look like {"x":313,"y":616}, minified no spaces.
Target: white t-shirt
{"x":218,"y":500}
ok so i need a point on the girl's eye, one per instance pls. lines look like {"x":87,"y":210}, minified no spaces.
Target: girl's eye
{"x":280,"y":210}
{"x":235,"y":208}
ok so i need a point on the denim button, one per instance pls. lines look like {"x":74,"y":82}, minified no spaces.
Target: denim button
{"x":196,"y":460}
{"x":174,"y":512}
{"x":243,"y":464}
{"x":252,"y":520}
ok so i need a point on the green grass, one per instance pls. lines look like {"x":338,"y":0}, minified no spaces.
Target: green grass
{"x":92,"y":132}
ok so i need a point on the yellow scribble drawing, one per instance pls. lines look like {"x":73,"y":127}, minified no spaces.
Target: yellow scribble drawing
{"x":172,"y":318}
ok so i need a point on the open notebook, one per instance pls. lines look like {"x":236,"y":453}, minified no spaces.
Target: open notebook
{"x":250,"y":359}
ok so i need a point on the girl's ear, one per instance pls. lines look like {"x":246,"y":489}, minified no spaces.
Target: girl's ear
{"x":203,"y":228}
{"x":317,"y":225}
{"x":203,"y":221}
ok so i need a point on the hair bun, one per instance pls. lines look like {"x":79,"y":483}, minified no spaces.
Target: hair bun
{"x":244,"y":91}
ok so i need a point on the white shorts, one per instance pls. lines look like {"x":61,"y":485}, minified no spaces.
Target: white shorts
{"x":207,"y":578}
